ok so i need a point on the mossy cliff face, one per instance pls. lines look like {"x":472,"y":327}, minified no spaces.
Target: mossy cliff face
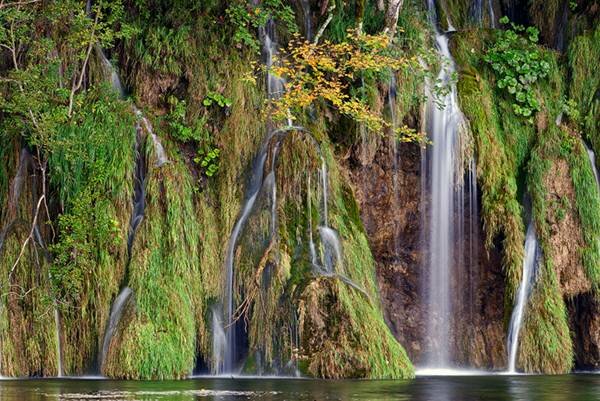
{"x":358,"y":313}
{"x":27,"y":317}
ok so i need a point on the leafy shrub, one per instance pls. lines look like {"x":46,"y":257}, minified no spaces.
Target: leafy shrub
{"x":216,"y":98}
{"x":181,"y":130}
{"x":208,"y":160}
{"x":519,"y":64}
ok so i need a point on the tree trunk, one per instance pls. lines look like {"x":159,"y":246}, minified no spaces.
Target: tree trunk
{"x":391,"y":16}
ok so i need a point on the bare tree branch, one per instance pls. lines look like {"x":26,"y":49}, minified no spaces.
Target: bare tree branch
{"x":77,"y":83}
{"x":29,"y":237}
{"x":327,"y":21}
{"x":17,"y":3}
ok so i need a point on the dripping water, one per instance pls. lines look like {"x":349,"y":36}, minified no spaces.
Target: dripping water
{"x":516,"y":320}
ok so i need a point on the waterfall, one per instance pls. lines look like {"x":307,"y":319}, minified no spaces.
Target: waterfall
{"x":332,"y":250}
{"x":113,"y":322}
{"x":446,"y":199}
{"x":516,"y":320}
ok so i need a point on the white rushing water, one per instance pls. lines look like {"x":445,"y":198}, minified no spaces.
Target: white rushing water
{"x":522,"y":296}
{"x":115,"y":317}
{"x":450,"y":214}
{"x":443,"y":127}
{"x":219,"y":342}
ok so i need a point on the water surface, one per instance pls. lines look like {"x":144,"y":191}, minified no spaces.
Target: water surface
{"x":580,"y":387}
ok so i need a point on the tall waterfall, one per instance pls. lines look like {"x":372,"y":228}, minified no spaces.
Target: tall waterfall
{"x":516,"y":320}
{"x":443,"y":184}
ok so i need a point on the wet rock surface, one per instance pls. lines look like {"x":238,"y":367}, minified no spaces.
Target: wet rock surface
{"x":392,"y":217}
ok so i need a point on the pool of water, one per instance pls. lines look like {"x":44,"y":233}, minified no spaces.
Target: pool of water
{"x":579,"y":387}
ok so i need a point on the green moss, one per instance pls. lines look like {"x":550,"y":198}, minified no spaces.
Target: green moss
{"x":583,"y":61}
{"x":27,"y":331}
{"x":90,"y":167}
{"x":587,"y":201}
{"x":546,"y":345}
{"x":497,"y":166}
{"x":160,"y":340}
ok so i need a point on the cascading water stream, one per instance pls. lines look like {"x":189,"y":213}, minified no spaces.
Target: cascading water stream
{"x":522,"y":296}
{"x":492,"y":15}
{"x":446,"y":199}
{"x":258,"y":182}
{"x":477,"y":12}
{"x":143,"y":128}
{"x":113,"y":322}
{"x":592,"y":157}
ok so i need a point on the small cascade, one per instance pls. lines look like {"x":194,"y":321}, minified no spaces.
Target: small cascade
{"x":275,"y":87}
{"x":113,"y":322}
{"x":443,"y":182}
{"x":477,"y":13}
{"x":275,"y":84}
{"x":219,"y":342}
{"x":256,"y":183}
{"x":139,"y":190}
{"x":110,"y":71}
{"x":592,"y":157}
{"x":161,"y":157}
{"x":143,"y":128}
{"x":332,"y":253}
{"x":522,"y":296}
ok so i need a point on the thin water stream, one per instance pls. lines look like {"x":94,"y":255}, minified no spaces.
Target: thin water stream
{"x":516,"y":321}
